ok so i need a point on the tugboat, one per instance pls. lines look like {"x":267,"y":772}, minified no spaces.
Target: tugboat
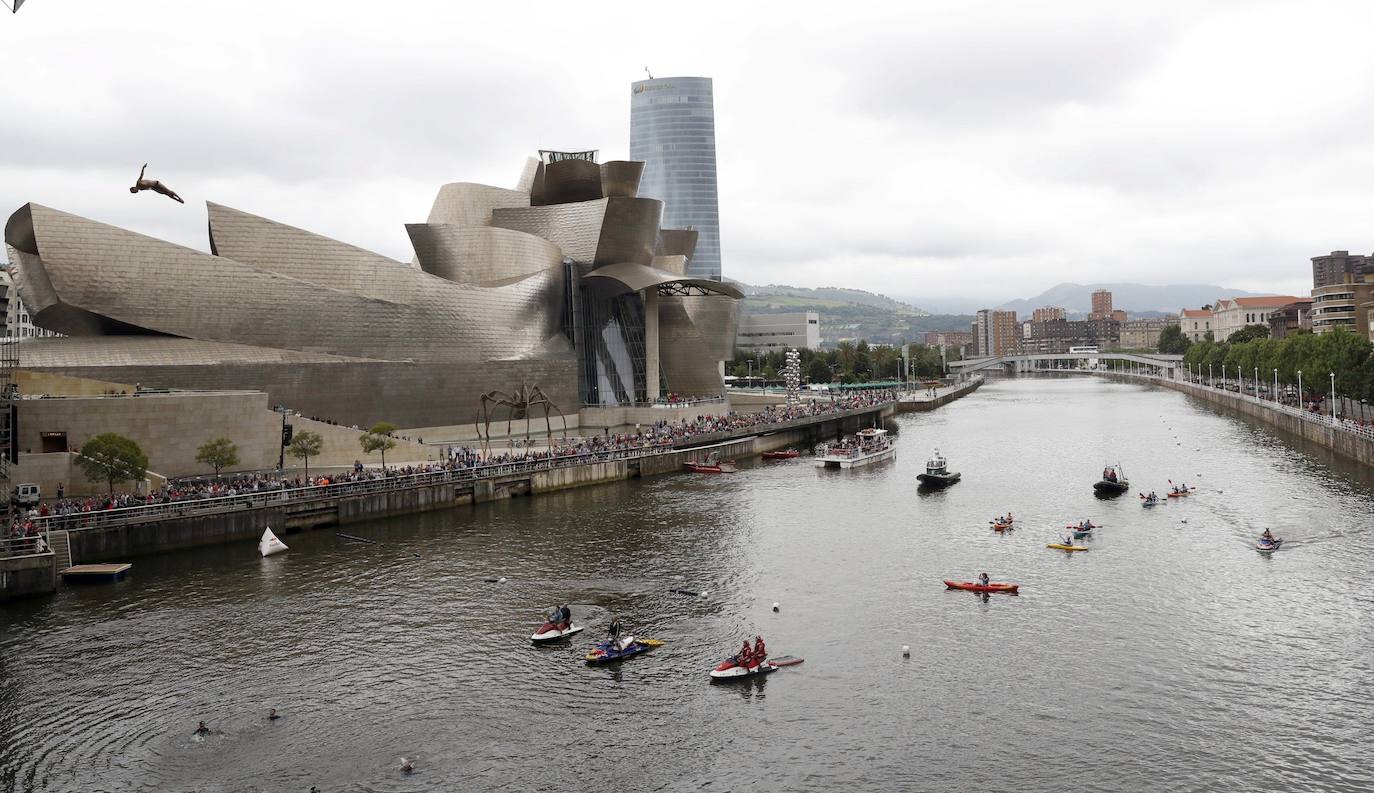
{"x":937,"y":472}
{"x":1113,"y":482}
{"x":868,"y":446}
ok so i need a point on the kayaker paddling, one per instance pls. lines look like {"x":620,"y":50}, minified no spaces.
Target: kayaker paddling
{"x":983,"y":579}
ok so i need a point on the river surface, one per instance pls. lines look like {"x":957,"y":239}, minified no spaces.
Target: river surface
{"x":1171,"y":657}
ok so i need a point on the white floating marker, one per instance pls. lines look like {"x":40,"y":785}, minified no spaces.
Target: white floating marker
{"x":501,"y":580}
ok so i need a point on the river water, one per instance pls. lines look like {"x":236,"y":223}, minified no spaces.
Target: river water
{"x":1171,"y":657}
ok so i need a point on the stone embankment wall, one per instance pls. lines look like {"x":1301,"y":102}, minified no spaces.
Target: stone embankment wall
{"x":23,"y":576}
{"x":1346,"y":444}
{"x":921,"y":405}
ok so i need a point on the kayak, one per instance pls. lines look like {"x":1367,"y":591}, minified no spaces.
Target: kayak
{"x":1268,"y":547}
{"x":721,"y":467}
{"x":1091,"y":526}
{"x":1059,"y":546}
{"x":1148,"y":503}
{"x":605,"y":652}
{"x":1179,"y":494}
{"x":1079,"y":534}
{"x":971,"y":586}
{"x":1001,"y":526}
{"x":269,"y":544}
{"x":549,"y":632}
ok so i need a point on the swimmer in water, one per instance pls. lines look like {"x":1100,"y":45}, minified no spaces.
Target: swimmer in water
{"x":407,"y":766}
{"x":202,"y":729}
{"x":272,"y":715}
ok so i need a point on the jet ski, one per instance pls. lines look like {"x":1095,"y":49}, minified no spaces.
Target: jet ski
{"x":553,"y":631}
{"x":1268,"y":546}
{"x":609,"y":650}
{"x":732,"y":669}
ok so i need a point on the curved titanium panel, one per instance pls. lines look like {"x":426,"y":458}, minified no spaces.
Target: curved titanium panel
{"x":629,"y":231}
{"x":688,"y":360}
{"x":310,"y":257}
{"x":637,"y":277}
{"x":620,"y":178}
{"x":571,"y":181}
{"x":573,"y":227}
{"x":717,"y":316}
{"x":676,"y":265}
{"x":676,"y":242}
{"x":469,"y":204}
{"x":526,"y":181}
{"x":480,"y":254}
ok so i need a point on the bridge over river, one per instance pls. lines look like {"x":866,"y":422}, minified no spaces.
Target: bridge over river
{"x":1142,"y":362}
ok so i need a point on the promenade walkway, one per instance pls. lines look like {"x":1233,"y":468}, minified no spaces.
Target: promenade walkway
{"x":377,"y":482}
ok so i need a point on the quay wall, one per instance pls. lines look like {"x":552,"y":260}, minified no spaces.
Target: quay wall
{"x":239,"y":524}
{"x":1346,"y":444}
{"x":24,"y":576}
{"x":922,"y":405}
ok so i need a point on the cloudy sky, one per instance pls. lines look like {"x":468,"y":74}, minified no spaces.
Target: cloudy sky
{"x":928,"y":150}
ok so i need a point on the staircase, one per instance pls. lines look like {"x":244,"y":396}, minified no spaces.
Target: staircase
{"x":61,"y":549}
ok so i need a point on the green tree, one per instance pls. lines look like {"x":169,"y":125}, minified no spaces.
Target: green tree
{"x":817,"y":371}
{"x":218,"y":453}
{"x":113,"y":458}
{"x":1249,"y":333}
{"x":378,"y":439}
{"x":1172,"y":341}
{"x":305,"y":445}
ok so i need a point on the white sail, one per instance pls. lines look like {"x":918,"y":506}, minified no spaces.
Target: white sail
{"x":269,"y":544}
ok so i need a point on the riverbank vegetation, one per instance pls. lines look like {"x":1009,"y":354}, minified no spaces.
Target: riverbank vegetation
{"x":1347,"y":355}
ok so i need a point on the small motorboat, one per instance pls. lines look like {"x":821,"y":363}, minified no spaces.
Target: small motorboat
{"x":937,"y":472}
{"x":608,"y":651}
{"x":711,"y":465}
{"x":1113,"y":482}
{"x":1264,"y":545}
{"x":973,"y":586}
{"x":781,"y":454}
{"x":553,"y":631}
{"x":269,"y":544}
{"x":1059,"y":546}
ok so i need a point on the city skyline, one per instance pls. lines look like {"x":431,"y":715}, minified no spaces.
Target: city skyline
{"x":1193,"y":148}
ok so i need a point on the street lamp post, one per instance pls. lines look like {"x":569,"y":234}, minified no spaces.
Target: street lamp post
{"x":1276,"y":386}
{"x":1256,"y":383}
{"x":1211,"y":381}
{"x":1302,"y":403}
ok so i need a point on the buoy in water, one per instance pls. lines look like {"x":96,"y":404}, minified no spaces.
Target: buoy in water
{"x":775,"y":605}
{"x":906,"y":651}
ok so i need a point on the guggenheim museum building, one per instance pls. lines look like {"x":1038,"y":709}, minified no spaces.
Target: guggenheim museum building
{"x":566,"y":282}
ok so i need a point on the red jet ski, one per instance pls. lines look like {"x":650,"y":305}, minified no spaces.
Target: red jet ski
{"x":553,"y":631}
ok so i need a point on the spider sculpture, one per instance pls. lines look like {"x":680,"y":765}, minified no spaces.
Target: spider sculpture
{"x":518,"y":405}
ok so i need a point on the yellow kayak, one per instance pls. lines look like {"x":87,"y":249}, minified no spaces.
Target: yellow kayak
{"x":1059,"y":546}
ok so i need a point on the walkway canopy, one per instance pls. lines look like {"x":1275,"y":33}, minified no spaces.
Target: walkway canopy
{"x":638,"y":277}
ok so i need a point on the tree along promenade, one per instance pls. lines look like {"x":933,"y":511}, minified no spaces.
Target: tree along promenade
{"x":1344,"y":436}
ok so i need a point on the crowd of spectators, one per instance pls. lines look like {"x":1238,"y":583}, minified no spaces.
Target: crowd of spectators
{"x":659,"y":435}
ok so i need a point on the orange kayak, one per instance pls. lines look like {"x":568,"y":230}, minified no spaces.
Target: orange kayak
{"x":971,"y":586}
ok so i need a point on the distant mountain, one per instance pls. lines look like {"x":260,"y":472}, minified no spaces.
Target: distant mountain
{"x":797,"y":297}
{"x":1135,"y":298}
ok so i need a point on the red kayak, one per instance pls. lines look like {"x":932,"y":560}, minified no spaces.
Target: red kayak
{"x":971,"y":586}
{"x":709,"y":467}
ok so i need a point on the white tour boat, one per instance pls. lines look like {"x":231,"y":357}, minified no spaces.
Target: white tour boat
{"x":868,"y":446}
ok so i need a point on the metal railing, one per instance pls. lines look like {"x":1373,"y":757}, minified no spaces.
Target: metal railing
{"x":1320,"y":419}
{"x":283,"y":495}
{"x":25,"y":546}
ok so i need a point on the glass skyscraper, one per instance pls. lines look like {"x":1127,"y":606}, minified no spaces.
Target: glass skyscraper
{"x":673,"y":131}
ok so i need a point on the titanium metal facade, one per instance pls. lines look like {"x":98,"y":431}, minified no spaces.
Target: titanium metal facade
{"x":504,"y":292}
{"x":673,"y":131}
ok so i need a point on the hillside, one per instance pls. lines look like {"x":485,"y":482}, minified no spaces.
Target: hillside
{"x":1077,"y":298}
{"x":851,"y":313}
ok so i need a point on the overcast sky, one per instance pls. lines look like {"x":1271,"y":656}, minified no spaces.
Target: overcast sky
{"x":927,"y":150}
